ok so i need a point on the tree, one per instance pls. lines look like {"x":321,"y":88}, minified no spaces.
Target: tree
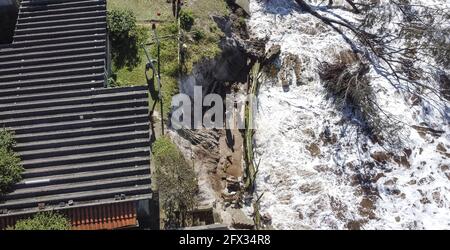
{"x":186,"y":20}
{"x":126,"y":38}
{"x":176,"y":182}
{"x":397,"y":54}
{"x":10,"y":167}
{"x":43,"y":221}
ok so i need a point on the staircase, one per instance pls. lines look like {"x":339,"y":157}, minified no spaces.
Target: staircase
{"x":80,"y":143}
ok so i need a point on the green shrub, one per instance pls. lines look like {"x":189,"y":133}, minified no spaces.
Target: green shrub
{"x":10,"y":166}
{"x":44,"y":221}
{"x":186,"y":20}
{"x":176,"y":182}
{"x":126,"y":38}
{"x":198,"y":34}
{"x":7,"y":139}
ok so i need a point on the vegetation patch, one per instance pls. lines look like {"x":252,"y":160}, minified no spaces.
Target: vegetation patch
{"x":10,"y":166}
{"x":176,"y":182}
{"x":44,"y":221}
{"x":126,"y":38}
{"x":199,"y":36}
{"x":186,"y":20}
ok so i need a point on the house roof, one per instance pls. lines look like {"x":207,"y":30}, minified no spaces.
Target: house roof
{"x":80,"y":143}
{"x":113,"y":215}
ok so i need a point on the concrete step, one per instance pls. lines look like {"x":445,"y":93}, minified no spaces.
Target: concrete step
{"x":53,"y":73}
{"x":91,"y":167}
{"x":58,"y":34}
{"x":52,"y":53}
{"x":76,"y":197}
{"x":101,"y":119}
{"x":35,"y":191}
{"x":88,"y":157}
{"x":88,"y":97}
{"x":50,"y":112}
{"x":50,"y":88}
{"x":82,"y":140}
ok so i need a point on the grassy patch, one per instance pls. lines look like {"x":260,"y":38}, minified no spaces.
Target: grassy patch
{"x":201,"y":41}
{"x":131,"y":76}
{"x":144,"y":10}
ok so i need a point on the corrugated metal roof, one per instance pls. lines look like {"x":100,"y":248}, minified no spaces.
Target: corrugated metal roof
{"x":80,"y":143}
{"x":100,"y":217}
{"x":112,"y":216}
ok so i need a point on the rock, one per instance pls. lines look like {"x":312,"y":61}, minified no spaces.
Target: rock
{"x":364,"y":148}
{"x":327,"y":137}
{"x":310,"y":133}
{"x":273,"y":53}
{"x":444,"y":81}
{"x":407,"y":151}
{"x":266,"y":219}
{"x":313,"y":149}
{"x":311,"y":188}
{"x":354,"y":225}
{"x":427,"y":130}
{"x":402,"y":161}
{"x":244,"y":4}
{"x":233,"y":186}
{"x":291,"y":63}
{"x":380,"y":157}
{"x":378,"y":176}
{"x":441,"y":147}
{"x":389,"y":182}
{"x":436,"y":196}
{"x":415,"y":100}
{"x":367,"y":208}
{"x":322,"y":168}
{"x":241,"y":220}
{"x":425,"y":200}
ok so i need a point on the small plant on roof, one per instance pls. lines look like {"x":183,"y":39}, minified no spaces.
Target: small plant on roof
{"x":10,"y":167}
{"x":43,"y":221}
